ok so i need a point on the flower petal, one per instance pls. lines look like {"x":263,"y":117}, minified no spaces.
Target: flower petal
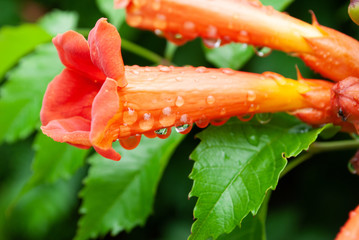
{"x":105,"y":49}
{"x":69,"y":95}
{"x":74,"y":53}
{"x":75,"y":130}
{"x":109,"y":153}
{"x":104,"y":108}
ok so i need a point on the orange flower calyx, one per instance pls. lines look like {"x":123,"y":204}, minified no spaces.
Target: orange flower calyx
{"x":329,"y":52}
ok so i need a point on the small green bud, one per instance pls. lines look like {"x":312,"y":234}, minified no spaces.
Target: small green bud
{"x":353,"y":11}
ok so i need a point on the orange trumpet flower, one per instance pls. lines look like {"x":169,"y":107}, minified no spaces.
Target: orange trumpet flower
{"x":350,"y":231}
{"x":331,"y":53}
{"x":96,"y":100}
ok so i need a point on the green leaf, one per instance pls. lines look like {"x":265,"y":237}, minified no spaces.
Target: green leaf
{"x":21,"y":95}
{"x":116,"y":16}
{"x":41,"y":208}
{"x":58,"y":21}
{"x":235,"y":55}
{"x":252,"y":227}
{"x":119,"y":195}
{"x":236,"y":164}
{"x":279,"y":5}
{"x":15,"y":42}
{"x":54,"y":161}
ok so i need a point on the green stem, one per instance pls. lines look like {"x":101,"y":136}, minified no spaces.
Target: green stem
{"x":143,"y":52}
{"x":295,"y":162}
{"x":134,"y":48}
{"x":319,"y":147}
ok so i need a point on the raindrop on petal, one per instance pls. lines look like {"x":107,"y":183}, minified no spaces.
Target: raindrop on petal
{"x":251,"y":95}
{"x":134,"y":20}
{"x":167,"y":117}
{"x":129,"y":117}
{"x":245,"y":117}
{"x":219,"y":121}
{"x":179,"y":101}
{"x":163,"y":133}
{"x":212,"y":43}
{"x":184,"y":129}
{"x":146,"y":123}
{"x":202,"y":122}
{"x":130,"y":142}
{"x":210,"y":100}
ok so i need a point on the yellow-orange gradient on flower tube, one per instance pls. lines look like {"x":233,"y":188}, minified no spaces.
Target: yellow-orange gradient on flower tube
{"x":331,"y":53}
{"x":97,"y":100}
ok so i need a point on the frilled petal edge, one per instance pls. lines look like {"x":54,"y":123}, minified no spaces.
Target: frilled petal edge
{"x":105,"y":50}
{"x":74,"y":53}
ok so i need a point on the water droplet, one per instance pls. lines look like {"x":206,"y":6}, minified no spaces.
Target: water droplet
{"x":158,"y":32}
{"x":184,"y":129}
{"x":243,"y":36}
{"x":135,"y":72}
{"x":202,"y":122}
{"x":264,"y":118}
{"x":134,"y":20}
{"x":148,"y":69}
{"x":245,"y":117}
{"x":251,"y":135}
{"x":202,"y":70}
{"x":353,"y":164}
{"x":130,"y":142}
{"x":279,"y":79}
{"x":214,"y":76}
{"x":163,"y":133}
{"x":301,"y":128}
{"x":262,"y":52}
{"x":179,"y":79}
{"x":164,"y":69}
{"x":139,"y":3}
{"x":211,"y":31}
{"x":129,"y":117}
{"x":228,"y":71}
{"x":251,"y":95}
{"x":253,"y":107}
{"x":160,"y":21}
{"x":184,"y":125}
{"x":147,"y":122}
{"x":219,"y":121}
{"x":179,"y":101}
{"x":189,"y":26}
{"x":351,"y":168}
{"x":212,"y":43}
{"x":210,"y":100}
{"x":223,"y":111}
{"x":156,"y":5}
{"x":167,"y":117}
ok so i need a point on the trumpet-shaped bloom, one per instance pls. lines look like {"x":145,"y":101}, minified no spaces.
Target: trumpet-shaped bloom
{"x":96,"y":100}
{"x":329,"y":52}
{"x":350,"y":231}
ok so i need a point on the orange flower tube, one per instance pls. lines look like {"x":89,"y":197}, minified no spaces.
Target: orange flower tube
{"x":329,"y":52}
{"x":350,"y":231}
{"x":96,"y":100}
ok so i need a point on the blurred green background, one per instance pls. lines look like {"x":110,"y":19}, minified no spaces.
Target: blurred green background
{"x":311,"y":202}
